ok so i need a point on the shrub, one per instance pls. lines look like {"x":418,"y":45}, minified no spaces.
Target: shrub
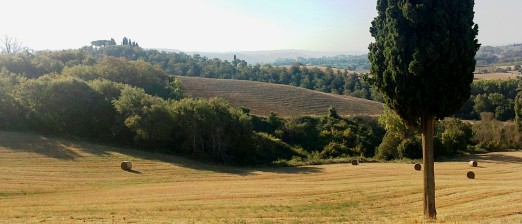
{"x":410,"y":148}
{"x":335,"y":149}
{"x":388,"y":148}
{"x":453,"y":136}
{"x":270,"y":148}
{"x":495,"y":135}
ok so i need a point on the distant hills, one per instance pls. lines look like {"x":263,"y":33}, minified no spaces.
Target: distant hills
{"x":487,"y":55}
{"x":508,"y":54}
{"x":287,"y":101}
{"x":263,"y":57}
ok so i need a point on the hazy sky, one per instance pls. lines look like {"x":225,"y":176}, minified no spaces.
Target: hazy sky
{"x":223,"y":25}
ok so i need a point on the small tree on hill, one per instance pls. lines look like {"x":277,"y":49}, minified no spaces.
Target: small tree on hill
{"x":422,"y":61}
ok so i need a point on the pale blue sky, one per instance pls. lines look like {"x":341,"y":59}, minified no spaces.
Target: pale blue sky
{"x":223,"y":25}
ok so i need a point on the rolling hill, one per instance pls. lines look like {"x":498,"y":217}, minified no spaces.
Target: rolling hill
{"x":263,"y":57}
{"x":51,"y":180}
{"x":284,"y":100}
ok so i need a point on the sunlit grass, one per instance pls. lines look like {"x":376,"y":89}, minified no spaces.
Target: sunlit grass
{"x":81,"y":182}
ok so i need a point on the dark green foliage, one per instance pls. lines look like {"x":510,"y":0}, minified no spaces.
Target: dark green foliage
{"x":332,"y":113}
{"x":10,"y":110}
{"x":400,"y":141}
{"x":335,"y":150}
{"x":454,"y":136}
{"x":388,"y":148}
{"x":329,"y":136}
{"x":213,"y":130}
{"x":422,"y":61}
{"x":304,"y":132}
{"x":268,"y":125}
{"x":418,"y":65}
{"x":30,"y":65}
{"x":495,"y":96}
{"x":146,"y":116}
{"x":518,"y":108}
{"x":135,"y":73}
{"x":64,"y":106}
{"x":270,"y":149}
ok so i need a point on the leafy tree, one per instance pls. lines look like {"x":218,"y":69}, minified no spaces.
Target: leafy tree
{"x":212,"y":130}
{"x":422,"y":61}
{"x":455,"y":136}
{"x":400,"y":141}
{"x":10,"y":111}
{"x":518,"y":108}
{"x":147,"y":116}
{"x":20,"y":64}
{"x":136,"y":73}
{"x":65,"y":106}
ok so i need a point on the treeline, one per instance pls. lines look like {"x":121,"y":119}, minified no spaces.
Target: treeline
{"x":492,"y":96}
{"x":348,"y":62}
{"x":488,"y":55}
{"x":338,"y":82}
{"x":452,"y":136}
{"x":107,"y":111}
{"x":495,"y":96}
{"x":124,"y":102}
{"x":127,"y":95}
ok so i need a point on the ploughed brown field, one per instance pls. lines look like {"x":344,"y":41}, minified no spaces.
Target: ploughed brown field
{"x":288,"y":101}
{"x":50,"y":180}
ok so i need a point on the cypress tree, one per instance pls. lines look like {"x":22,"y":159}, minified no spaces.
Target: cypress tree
{"x":422,"y":61}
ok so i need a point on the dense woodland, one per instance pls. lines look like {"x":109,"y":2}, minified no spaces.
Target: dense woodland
{"x":126,"y":95}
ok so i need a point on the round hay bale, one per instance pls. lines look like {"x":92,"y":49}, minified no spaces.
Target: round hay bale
{"x":473,"y":163}
{"x":417,"y":166}
{"x":470,"y":175}
{"x":126,"y":165}
{"x":355,"y":162}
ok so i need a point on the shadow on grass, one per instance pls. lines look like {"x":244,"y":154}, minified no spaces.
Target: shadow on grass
{"x":65,"y":149}
{"x":494,"y":157}
{"x":499,"y":158}
{"x":46,"y":146}
{"x":182,"y":161}
{"x":134,"y":171}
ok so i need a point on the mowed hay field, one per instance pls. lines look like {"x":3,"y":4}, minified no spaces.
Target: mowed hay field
{"x":264,"y":98}
{"x":48,"y":180}
{"x":494,"y":76}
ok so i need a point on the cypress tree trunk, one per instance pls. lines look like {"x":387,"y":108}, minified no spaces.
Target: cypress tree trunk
{"x":427,"y":125}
